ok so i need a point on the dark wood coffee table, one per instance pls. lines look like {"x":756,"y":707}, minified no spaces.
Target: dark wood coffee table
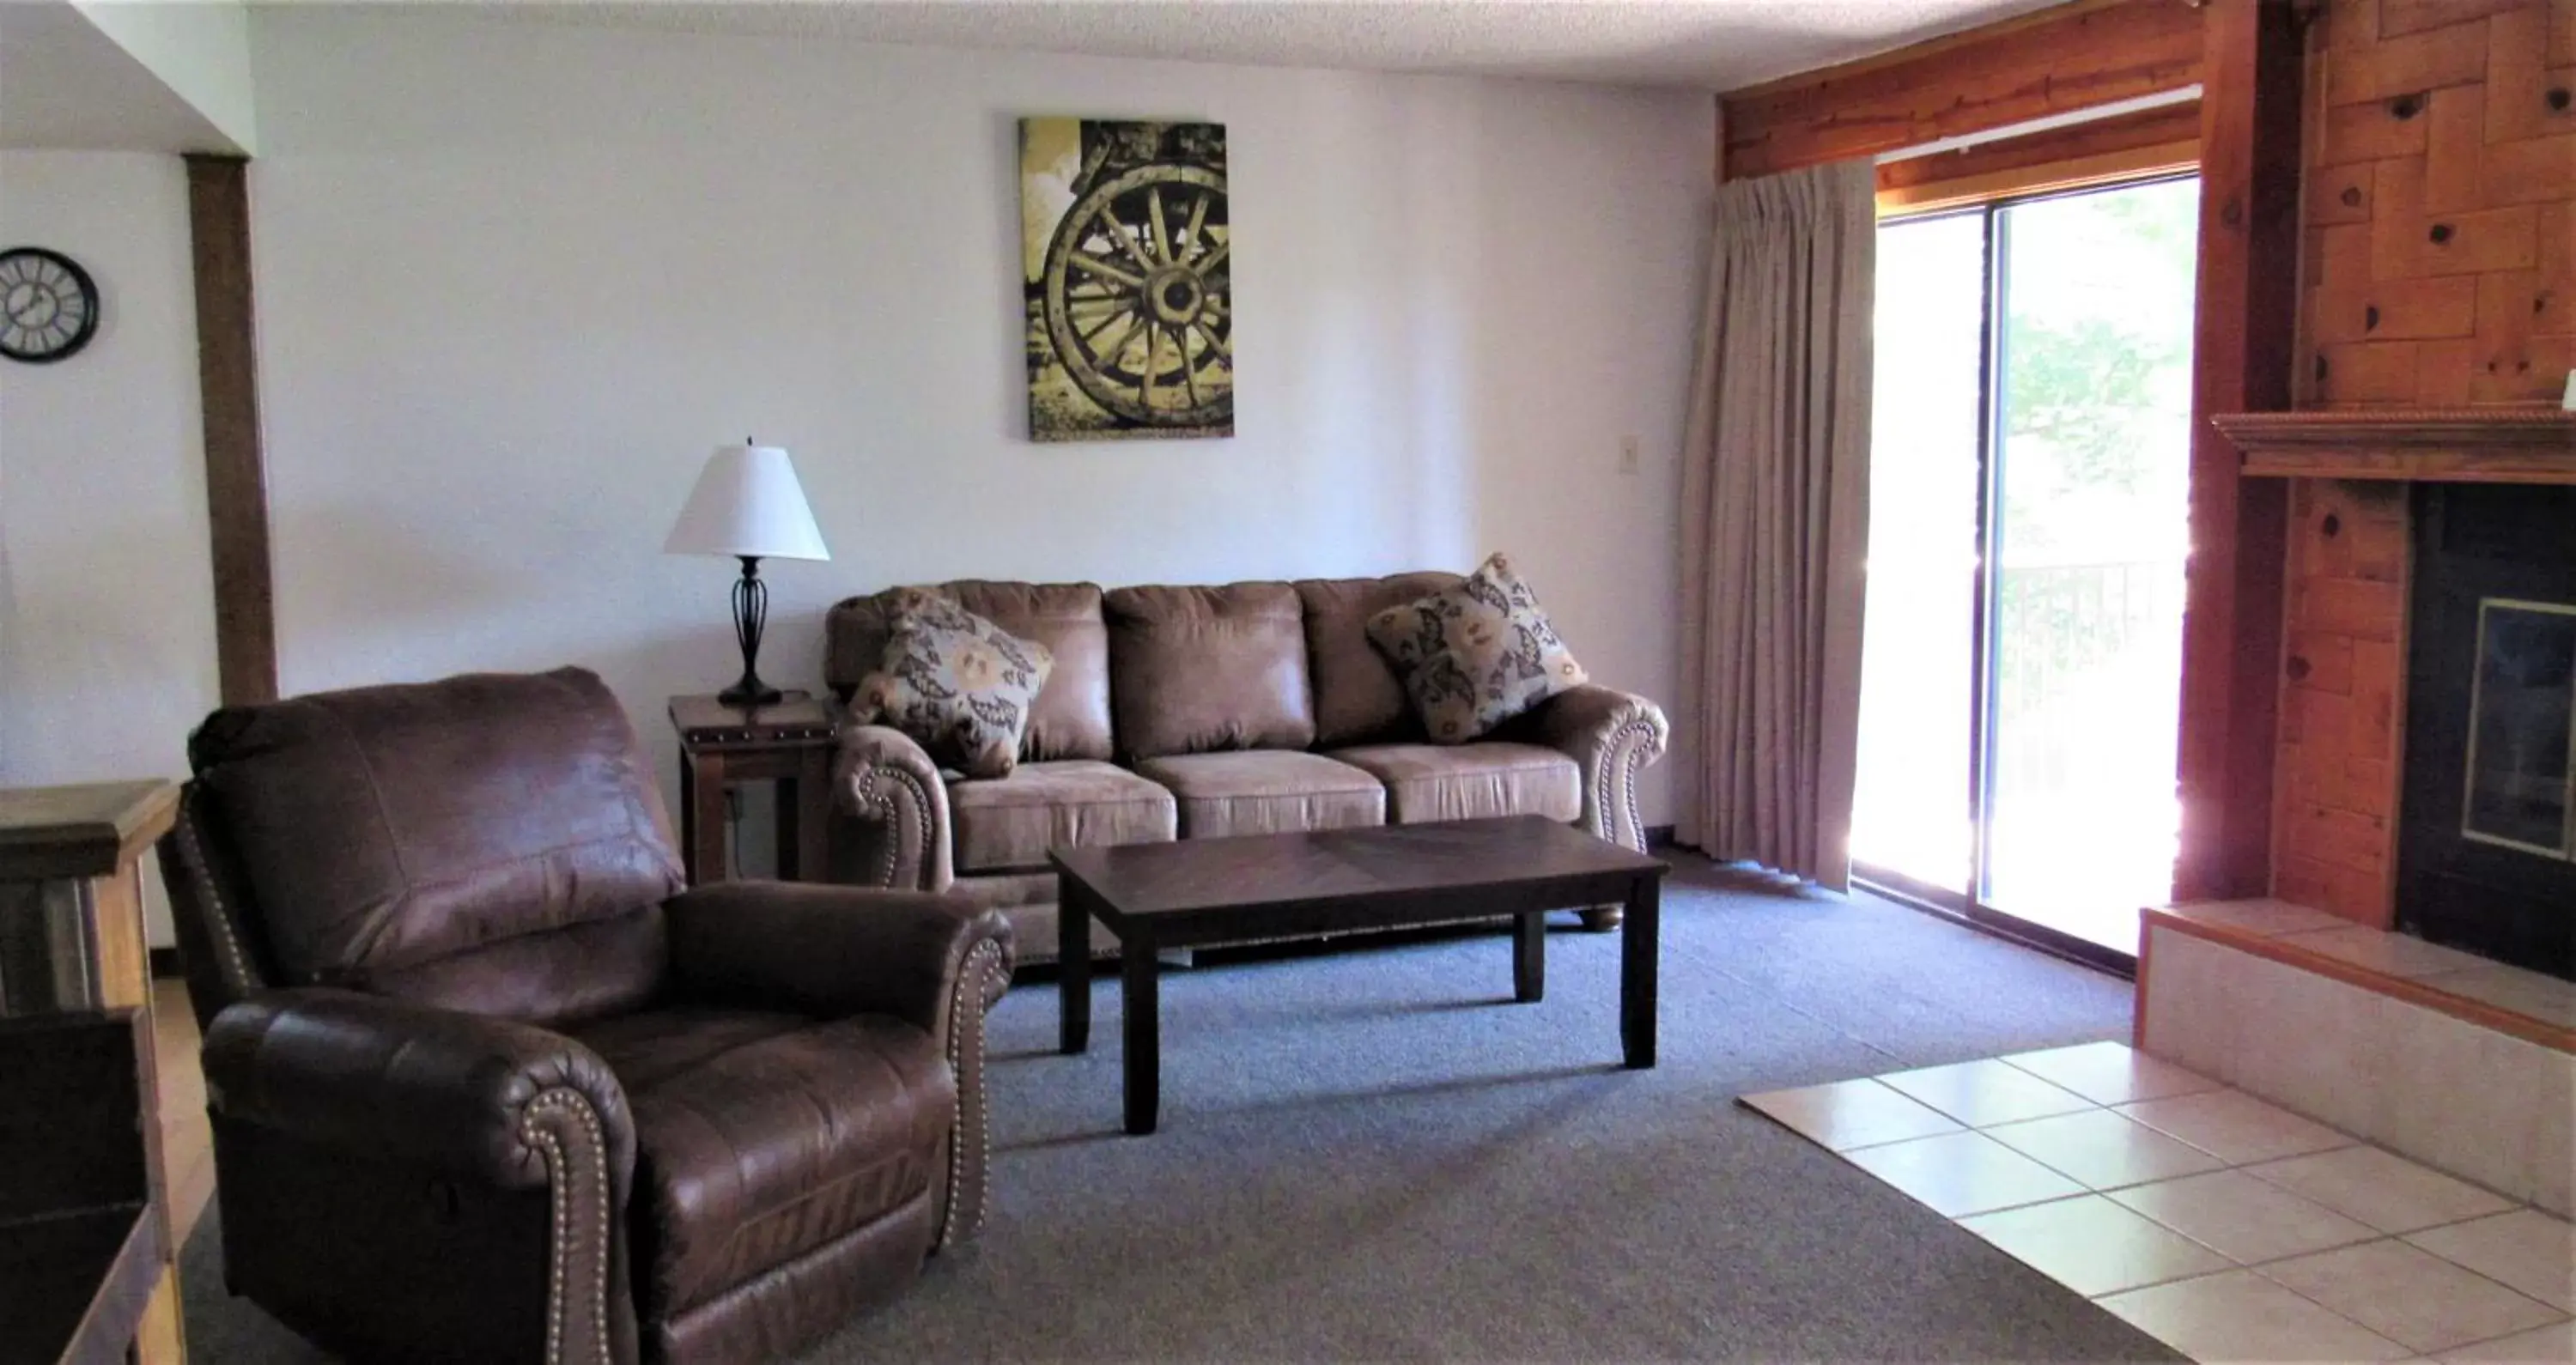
{"x":1202,"y":892}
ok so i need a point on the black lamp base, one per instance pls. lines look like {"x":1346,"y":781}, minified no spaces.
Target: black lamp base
{"x":750,"y":614}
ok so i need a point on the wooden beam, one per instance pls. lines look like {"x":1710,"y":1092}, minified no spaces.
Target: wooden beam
{"x":2072,"y":57}
{"x":228,"y":388}
{"x":2243,"y":346}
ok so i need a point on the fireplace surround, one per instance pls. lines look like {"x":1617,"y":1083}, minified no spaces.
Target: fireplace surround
{"x":2407,"y":524}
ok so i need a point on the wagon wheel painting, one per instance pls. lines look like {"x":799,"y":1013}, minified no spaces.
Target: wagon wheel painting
{"x":1138,"y":296}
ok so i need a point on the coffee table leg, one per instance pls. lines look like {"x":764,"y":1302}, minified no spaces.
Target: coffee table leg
{"x":1073,"y":965}
{"x":1142,"y":1014}
{"x":1529,"y":957}
{"x":1637,"y":948}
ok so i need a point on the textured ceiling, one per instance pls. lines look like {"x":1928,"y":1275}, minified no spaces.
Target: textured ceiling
{"x":1701,"y":44}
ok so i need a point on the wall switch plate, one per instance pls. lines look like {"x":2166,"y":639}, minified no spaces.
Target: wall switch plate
{"x":1627,"y":454}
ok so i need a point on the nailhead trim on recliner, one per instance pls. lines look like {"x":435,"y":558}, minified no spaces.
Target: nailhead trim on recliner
{"x":978,"y":986}
{"x":202,"y":872}
{"x":573,"y":1177}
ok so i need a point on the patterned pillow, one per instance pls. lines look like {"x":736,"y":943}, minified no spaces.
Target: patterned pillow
{"x":959,"y":685}
{"x":1475,"y":655}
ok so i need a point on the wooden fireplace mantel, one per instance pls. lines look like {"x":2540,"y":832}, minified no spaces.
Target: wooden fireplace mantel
{"x":2440,"y":445}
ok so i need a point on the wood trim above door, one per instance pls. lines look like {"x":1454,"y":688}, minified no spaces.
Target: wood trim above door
{"x":2152,"y":142}
{"x":2074,"y":56}
{"x":228,"y":391}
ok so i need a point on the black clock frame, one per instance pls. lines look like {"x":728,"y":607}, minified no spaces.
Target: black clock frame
{"x":89,"y":316}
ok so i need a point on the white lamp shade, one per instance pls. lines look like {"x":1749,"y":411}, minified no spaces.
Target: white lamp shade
{"x":747,"y":502}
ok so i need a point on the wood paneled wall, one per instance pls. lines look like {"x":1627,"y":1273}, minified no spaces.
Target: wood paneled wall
{"x":2062,"y":59}
{"x":2441,"y":173}
{"x":2343,"y":699}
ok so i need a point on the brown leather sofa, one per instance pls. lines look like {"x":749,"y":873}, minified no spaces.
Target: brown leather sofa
{"x":487,"y":1084}
{"x":1191,"y":712}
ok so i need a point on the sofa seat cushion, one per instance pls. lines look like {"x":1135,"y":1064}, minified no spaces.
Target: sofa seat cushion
{"x":1266,"y":791}
{"x":760,"y":1137}
{"x":1010,"y":822}
{"x":1426,"y":782}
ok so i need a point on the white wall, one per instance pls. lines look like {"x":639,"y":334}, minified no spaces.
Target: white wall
{"x":107,"y":623}
{"x":516,"y":280}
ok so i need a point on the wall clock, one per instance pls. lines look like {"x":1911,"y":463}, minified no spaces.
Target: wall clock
{"x":48,"y":306}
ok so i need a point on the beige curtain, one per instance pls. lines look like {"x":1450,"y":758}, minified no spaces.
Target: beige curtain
{"x":1775,"y":492}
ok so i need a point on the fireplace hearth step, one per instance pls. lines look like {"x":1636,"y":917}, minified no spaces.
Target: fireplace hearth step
{"x":2462,"y":1063}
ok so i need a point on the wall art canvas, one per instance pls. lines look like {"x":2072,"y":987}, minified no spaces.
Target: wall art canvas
{"x":1128,"y":261}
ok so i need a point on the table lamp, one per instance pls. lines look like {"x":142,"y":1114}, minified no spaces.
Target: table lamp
{"x":747,"y":504}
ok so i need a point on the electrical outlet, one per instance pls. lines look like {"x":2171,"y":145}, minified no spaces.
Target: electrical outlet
{"x":1628,"y":455}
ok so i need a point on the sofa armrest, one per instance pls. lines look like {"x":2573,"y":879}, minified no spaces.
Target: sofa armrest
{"x":481,"y":1098}
{"x":936,"y":961}
{"x":886,"y":785}
{"x":1610,"y":734}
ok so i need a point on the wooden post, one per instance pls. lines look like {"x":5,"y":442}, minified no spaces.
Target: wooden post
{"x":228,"y":388}
{"x":2251,"y":70}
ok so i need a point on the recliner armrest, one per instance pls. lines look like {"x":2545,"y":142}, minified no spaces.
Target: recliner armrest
{"x":834,"y":951}
{"x":479,"y":1097}
{"x":935,"y":961}
{"x":883,"y":781}
{"x":1610,"y":734}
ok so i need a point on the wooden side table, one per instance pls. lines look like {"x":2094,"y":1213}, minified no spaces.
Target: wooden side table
{"x":788,"y":742}
{"x":75,"y":965}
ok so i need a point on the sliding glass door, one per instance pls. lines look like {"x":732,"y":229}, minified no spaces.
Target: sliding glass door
{"x":2022,"y":656}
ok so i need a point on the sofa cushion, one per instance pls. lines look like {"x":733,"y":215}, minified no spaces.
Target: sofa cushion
{"x":760,"y":1137}
{"x":1070,"y":718}
{"x":1011,"y":822}
{"x":1266,"y":791}
{"x":1476,"y":655}
{"x":1359,"y":697}
{"x":956,"y":684}
{"x":1198,"y":669}
{"x":1426,"y":782}
{"x":453,"y":814}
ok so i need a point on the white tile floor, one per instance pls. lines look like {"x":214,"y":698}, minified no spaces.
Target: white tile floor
{"x":2225,"y":1227}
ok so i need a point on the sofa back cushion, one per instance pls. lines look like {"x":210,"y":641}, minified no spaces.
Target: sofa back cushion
{"x":1069,"y":719}
{"x":381,"y":829}
{"x":1359,"y":697}
{"x":1195,"y":669}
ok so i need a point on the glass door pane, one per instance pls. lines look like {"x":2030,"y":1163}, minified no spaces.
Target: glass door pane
{"x":1911,"y":813}
{"x":2090,"y":455}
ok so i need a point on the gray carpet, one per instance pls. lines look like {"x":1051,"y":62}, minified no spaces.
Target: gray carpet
{"x":1372,"y":1154}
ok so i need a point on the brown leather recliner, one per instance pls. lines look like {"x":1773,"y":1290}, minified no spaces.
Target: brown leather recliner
{"x":487,"y":1084}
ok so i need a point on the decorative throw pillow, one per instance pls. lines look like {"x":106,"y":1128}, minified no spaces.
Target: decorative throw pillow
{"x":1475,"y":655}
{"x":957,"y":684}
